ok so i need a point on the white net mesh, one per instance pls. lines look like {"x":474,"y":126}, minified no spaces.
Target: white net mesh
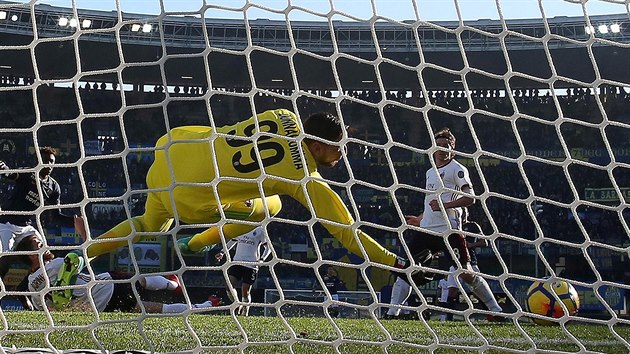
{"x":539,"y":107}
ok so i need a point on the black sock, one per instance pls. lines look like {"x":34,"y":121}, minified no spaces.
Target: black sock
{"x":451,"y":304}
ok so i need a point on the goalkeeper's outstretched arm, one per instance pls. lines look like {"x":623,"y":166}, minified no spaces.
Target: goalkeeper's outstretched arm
{"x":330,"y":210}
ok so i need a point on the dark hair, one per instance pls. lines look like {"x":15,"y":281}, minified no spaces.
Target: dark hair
{"x":324,"y":125}
{"x":47,"y":150}
{"x":24,"y":245}
{"x":445,"y":133}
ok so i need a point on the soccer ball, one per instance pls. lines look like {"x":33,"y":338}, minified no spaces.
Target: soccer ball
{"x":541,"y":302}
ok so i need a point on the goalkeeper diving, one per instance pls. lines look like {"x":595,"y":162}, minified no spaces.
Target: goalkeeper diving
{"x":238,"y":172}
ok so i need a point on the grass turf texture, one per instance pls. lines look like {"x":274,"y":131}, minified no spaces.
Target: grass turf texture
{"x":208,"y":333}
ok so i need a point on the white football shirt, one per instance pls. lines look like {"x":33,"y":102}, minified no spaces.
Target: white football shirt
{"x":248,"y":247}
{"x":100,"y":292}
{"x":454,"y":176}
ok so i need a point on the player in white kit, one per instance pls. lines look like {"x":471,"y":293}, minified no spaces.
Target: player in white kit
{"x":449,"y":190}
{"x":247,"y":250}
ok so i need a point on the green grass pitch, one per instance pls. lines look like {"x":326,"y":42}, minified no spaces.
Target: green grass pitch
{"x":208,"y":333}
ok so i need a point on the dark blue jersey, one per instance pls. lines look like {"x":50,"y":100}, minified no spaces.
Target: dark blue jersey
{"x":25,"y":197}
{"x":471,"y":251}
{"x":333,"y":283}
{"x":474,"y":228}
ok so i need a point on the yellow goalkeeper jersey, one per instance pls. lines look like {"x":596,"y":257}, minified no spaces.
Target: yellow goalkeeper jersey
{"x":236,"y":162}
{"x":261,"y":149}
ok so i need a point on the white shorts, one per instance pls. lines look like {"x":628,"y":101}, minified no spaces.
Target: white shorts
{"x":444,"y":295}
{"x":336,"y":298}
{"x":9,"y":233}
{"x":450,"y":280}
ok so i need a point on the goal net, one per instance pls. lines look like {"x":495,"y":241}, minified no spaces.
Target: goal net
{"x":537,"y":95}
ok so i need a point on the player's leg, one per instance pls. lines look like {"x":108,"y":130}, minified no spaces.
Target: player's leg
{"x":155,"y":218}
{"x":158,"y":307}
{"x":246,"y":297}
{"x":248,"y":280}
{"x":72,"y":264}
{"x":455,"y":252}
{"x":400,"y":292}
{"x":402,"y":289}
{"x":477,"y":284}
{"x":333,"y":309}
{"x":443,"y":299}
{"x":451,"y":293}
{"x":157,"y":282}
{"x":234,"y":278}
{"x":482,"y":291}
{"x":422,"y":247}
{"x":123,"y":298}
{"x":254,"y":210}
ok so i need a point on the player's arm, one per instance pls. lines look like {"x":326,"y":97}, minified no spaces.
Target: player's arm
{"x":230,"y":244}
{"x":65,"y":218}
{"x":10,"y":176}
{"x":478,"y":243}
{"x":72,"y":220}
{"x":335,"y":217}
{"x":471,"y":240}
{"x":462,"y":202}
{"x":462,"y":180}
{"x":266,"y":253}
{"x":414,"y":220}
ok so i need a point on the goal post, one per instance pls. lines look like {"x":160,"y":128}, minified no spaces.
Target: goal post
{"x":539,"y":107}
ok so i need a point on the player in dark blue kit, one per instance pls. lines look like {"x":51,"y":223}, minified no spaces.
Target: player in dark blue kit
{"x":26,"y":198}
{"x":333,"y":284}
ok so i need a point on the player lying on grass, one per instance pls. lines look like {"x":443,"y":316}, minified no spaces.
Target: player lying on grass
{"x":238,"y":172}
{"x":107,"y":296}
{"x":450,"y":183}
